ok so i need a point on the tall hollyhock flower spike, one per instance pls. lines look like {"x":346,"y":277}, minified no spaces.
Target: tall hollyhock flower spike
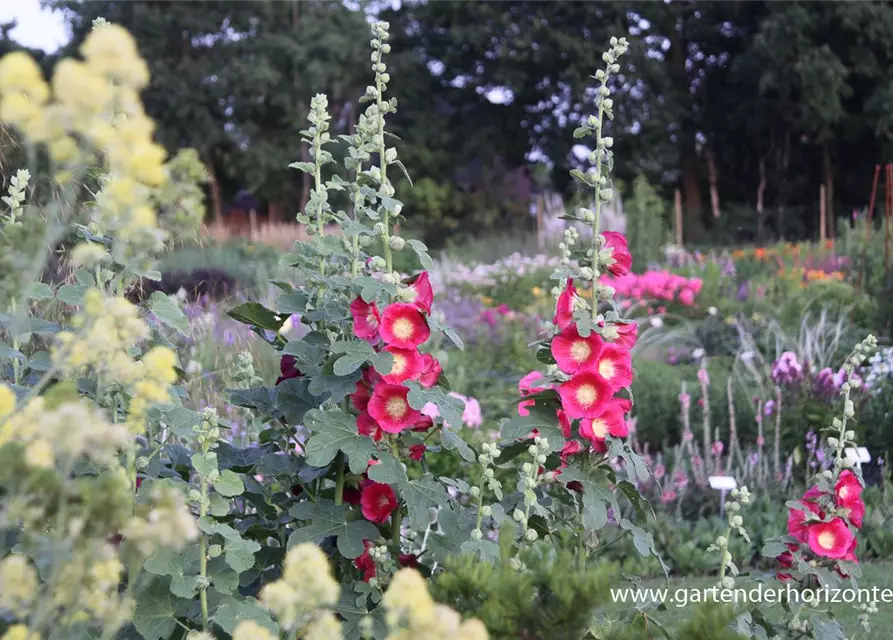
{"x":822,"y":539}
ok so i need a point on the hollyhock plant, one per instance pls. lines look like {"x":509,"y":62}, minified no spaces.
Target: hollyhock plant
{"x":378,"y":502}
{"x":390,"y":408}
{"x":575,"y":353}
{"x":403,"y":326}
{"x":366,"y":319}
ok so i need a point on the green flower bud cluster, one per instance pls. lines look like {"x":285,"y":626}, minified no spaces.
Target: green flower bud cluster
{"x":739,"y":497}
{"x":845,"y":438}
{"x":489,"y":453}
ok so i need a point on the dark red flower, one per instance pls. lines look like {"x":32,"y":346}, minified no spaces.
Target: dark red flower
{"x":621,"y":260}
{"x":423,"y":294}
{"x":365,"y":563}
{"x":564,"y":310}
{"x":288,"y":367}
{"x":417,"y":451}
{"x":410,"y":560}
{"x":378,"y":502}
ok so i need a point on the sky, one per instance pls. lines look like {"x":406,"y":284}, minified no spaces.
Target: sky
{"x":36,"y":27}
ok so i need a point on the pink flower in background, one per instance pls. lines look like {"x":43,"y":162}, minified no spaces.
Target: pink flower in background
{"x":655,"y":285}
{"x":717,"y":448}
{"x":471,"y":414}
{"x":659,"y":471}
{"x":703,"y":377}
{"x":668,"y":496}
{"x":685,"y":400}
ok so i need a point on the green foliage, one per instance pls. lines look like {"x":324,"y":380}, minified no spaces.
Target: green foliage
{"x":556,"y":598}
{"x":646,"y":227}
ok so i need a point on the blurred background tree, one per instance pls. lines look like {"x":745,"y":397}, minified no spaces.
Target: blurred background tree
{"x":746,"y":108}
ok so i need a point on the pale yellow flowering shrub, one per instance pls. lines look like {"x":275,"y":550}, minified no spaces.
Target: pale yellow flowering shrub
{"x":306,"y":587}
{"x":18,"y":584}
{"x":325,"y":627}
{"x":69,"y":431}
{"x":20,"y":632}
{"x":107,"y":329}
{"x":250,"y":630}
{"x":412,"y":613}
{"x":165,"y":522}
{"x":7,"y":401}
{"x":86,"y":589}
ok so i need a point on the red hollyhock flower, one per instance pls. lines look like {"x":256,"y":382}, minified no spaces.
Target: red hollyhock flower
{"x":431,"y":371}
{"x":628,"y":333}
{"x":575,"y":353}
{"x":616,"y":242}
{"x":420,"y":287}
{"x":784,"y":577}
{"x":410,"y":560}
{"x":851,"y":553}
{"x":848,"y":489}
{"x":390,"y":408}
{"x":417,"y":451}
{"x":352,"y":495}
{"x":830,"y":539}
{"x":564,"y":309}
{"x":615,"y":366}
{"x":403,"y":326}
{"x":366,"y":426}
{"x":371,"y":376}
{"x":423,"y":423}
{"x":360,"y":397}
{"x":408,"y":365}
{"x":564,"y":422}
{"x":288,"y":368}
{"x":366,"y":319}
{"x":586,"y":395}
{"x":365,"y":563}
{"x":378,"y":502}
{"x":570,"y":448}
{"x":611,"y":422}
{"x":796,"y":517}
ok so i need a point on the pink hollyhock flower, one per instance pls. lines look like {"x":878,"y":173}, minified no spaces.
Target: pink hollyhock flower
{"x":615,"y":366}
{"x":365,"y":563}
{"x":378,"y":502}
{"x":703,"y":377}
{"x":390,"y":408}
{"x":857,"y":513}
{"x":360,"y":397}
{"x":830,"y":539}
{"x":471,"y":414}
{"x":571,"y":448}
{"x":627,"y":332}
{"x":668,"y":496}
{"x":403,"y":326}
{"x":526,"y":386}
{"x":416,"y":451}
{"x":716,"y":448}
{"x":564,"y":422}
{"x":848,"y":489}
{"x":621,"y":258}
{"x":366,"y":426}
{"x":371,"y":376}
{"x":408,"y":365}
{"x":564,"y":309}
{"x":431,"y":371}
{"x":575,"y":353}
{"x":288,"y":368}
{"x":687,"y":297}
{"x":797,"y":527}
{"x":611,"y":422}
{"x":366,"y":319}
{"x":851,"y":553}
{"x":421,"y":292}
{"x":586,"y":395}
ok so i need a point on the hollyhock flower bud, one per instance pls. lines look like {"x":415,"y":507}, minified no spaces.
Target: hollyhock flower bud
{"x":431,"y":371}
{"x":564,"y":309}
{"x":417,"y":451}
{"x":627,"y":334}
{"x":390,"y":408}
{"x":396,"y":243}
{"x":365,"y":319}
{"x":575,"y":353}
{"x":830,"y":539}
{"x":586,"y":273}
{"x":288,"y":369}
{"x":378,"y":501}
{"x":403,"y":326}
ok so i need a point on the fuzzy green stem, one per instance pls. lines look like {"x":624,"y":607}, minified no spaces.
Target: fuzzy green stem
{"x":203,"y":559}
{"x":599,"y":154}
{"x":383,"y":165}
{"x":339,"y":479}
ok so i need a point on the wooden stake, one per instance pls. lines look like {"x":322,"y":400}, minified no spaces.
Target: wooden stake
{"x":871,"y":201}
{"x":822,"y":212}
{"x":679,"y":217}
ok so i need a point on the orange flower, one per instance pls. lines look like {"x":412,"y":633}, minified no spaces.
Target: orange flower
{"x":760,"y":253}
